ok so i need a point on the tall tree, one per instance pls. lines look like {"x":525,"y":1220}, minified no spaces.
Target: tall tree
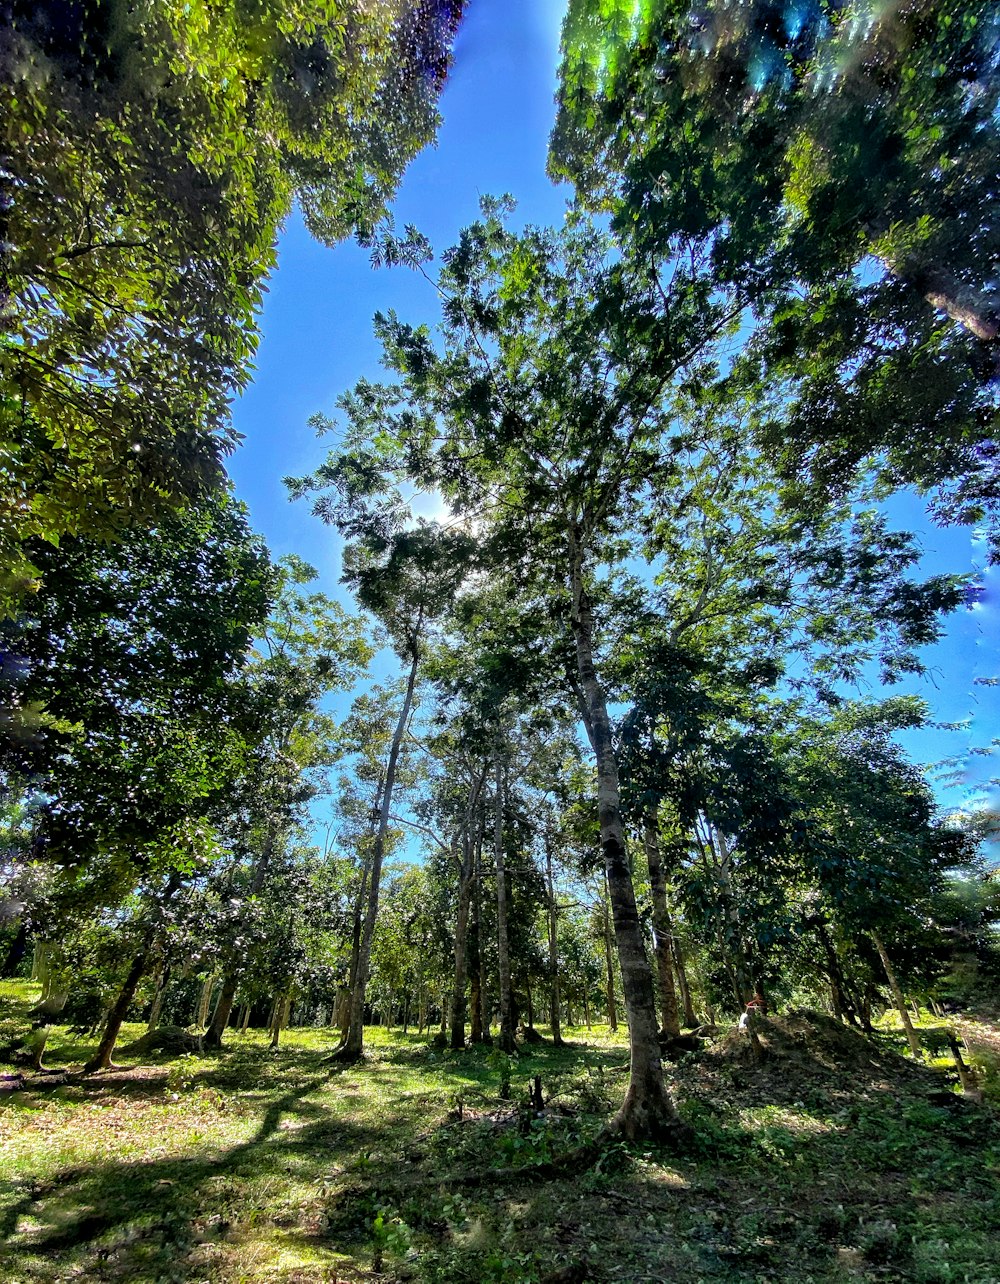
{"x":150,"y":153}
{"x":838,"y":163}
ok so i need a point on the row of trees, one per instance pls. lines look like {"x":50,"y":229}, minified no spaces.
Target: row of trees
{"x":624,"y":653}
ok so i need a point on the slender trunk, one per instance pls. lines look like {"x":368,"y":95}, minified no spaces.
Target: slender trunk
{"x":553,"y":946}
{"x":690,"y":1018}
{"x":897,"y":994}
{"x":244,"y":1018}
{"x":163,"y":976}
{"x":353,"y":1044}
{"x":569,"y":1011}
{"x":586,"y":1010}
{"x":201,"y":1016}
{"x":406,"y":1012}
{"x":466,"y":877}
{"x":101,"y":1060}
{"x":609,"y":975}
{"x":670,"y":1024}
{"x":231,"y":980}
{"x":843,"y":1008}
{"x":282,"y":1011}
{"x":733,"y":943}
{"x":647,"y":1109}
{"x":485,"y":1014}
{"x":476,"y":951}
{"x":506,"y":1041}
{"x":531,"y":1008}
{"x":444,"y":1012}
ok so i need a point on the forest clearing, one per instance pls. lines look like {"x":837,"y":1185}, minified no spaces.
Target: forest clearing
{"x":834,"y":1158}
{"x":499,"y":641}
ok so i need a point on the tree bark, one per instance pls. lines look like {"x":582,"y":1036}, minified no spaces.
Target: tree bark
{"x":609,"y":975}
{"x":647,"y":1110}
{"x":553,"y":947}
{"x":670,"y":1025}
{"x":897,"y":994}
{"x":163,"y":976}
{"x":506,"y":1039}
{"x":101,"y":1060}
{"x":230,"y":984}
{"x":201,"y":1016}
{"x":466,"y":879}
{"x":690,"y":1017}
{"x":353,"y":1045}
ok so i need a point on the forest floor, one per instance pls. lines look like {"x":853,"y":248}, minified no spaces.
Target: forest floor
{"x":836,"y":1158}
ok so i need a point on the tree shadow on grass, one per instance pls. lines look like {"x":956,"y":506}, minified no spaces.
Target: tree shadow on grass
{"x":134,"y":1220}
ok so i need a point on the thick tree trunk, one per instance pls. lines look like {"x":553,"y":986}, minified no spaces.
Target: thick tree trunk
{"x":553,"y":947}
{"x":223,"y":1011}
{"x":353,"y":1045}
{"x":647,"y":1110}
{"x":506,"y":1039}
{"x":900,"y":1001}
{"x":670,"y":1024}
{"x":974,"y":311}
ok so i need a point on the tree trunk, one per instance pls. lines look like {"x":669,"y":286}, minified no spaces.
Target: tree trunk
{"x":506,"y":1040}
{"x":223,"y":1011}
{"x":485,"y":1011}
{"x":163,"y":976}
{"x":609,"y":975}
{"x":647,"y":1110}
{"x":897,"y":994}
{"x":282,"y":1011}
{"x":201,"y":1016}
{"x":586,"y":1010}
{"x":843,"y":1008}
{"x":353,"y":1045}
{"x":690,"y":1017}
{"x":230,"y":984}
{"x":670,"y":1024}
{"x":101,"y":1060}
{"x":466,"y":879}
{"x":553,"y":947}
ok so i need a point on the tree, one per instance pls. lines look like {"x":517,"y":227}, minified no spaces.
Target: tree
{"x":838,"y":166}
{"x":150,"y":153}
{"x":308,"y":648}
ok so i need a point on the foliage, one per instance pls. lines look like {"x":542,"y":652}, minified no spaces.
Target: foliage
{"x":837,"y":163}
{"x":151,"y":152}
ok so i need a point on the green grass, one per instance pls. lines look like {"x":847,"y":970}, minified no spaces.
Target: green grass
{"x":255,"y":1165}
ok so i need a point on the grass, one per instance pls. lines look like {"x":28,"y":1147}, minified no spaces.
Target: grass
{"x":835,"y":1160}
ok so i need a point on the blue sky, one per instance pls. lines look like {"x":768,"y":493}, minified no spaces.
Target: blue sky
{"x":316,"y":326}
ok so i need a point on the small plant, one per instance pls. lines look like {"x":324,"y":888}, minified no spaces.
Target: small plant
{"x":181,"y":1074}
{"x":391,"y":1235}
{"x":504,"y":1064}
